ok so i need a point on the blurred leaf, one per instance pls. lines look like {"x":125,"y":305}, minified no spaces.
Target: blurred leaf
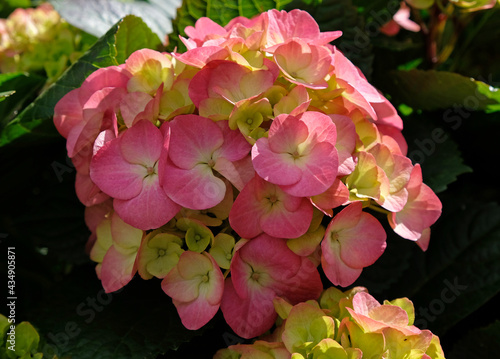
{"x":432,"y":90}
{"x":15,"y":89}
{"x":36,"y":120}
{"x":220,"y":11}
{"x":436,"y":151}
{"x":7,"y":6}
{"x":462,"y":272}
{"x":137,"y":322}
{"x":478,"y":343}
{"x":377,"y":12}
{"x":333,"y":15}
{"x":100,"y":15}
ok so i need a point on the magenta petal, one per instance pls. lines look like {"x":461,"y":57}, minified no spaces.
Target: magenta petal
{"x":115,"y":176}
{"x":193,"y":139}
{"x":142,"y":144}
{"x":150,"y":209}
{"x":251,"y":316}
{"x":197,"y":188}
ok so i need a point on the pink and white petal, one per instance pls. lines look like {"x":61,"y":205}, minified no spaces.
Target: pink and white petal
{"x":230,"y":172}
{"x":137,"y":59}
{"x":281,"y":223}
{"x":142,"y":144}
{"x":364,"y":303}
{"x":275,"y":167}
{"x":115,"y":176}
{"x":346,"y":136}
{"x":355,"y":97}
{"x":150,"y":209}
{"x":117,"y":269}
{"x":196,"y":188}
{"x":387,"y":114}
{"x":423,"y":241}
{"x":193,"y":139}
{"x":320,"y":127}
{"x":251,"y":316}
{"x":319,"y":171}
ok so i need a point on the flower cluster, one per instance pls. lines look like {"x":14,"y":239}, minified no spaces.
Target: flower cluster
{"x":37,"y":39}
{"x":342,"y":325}
{"x":257,"y":152}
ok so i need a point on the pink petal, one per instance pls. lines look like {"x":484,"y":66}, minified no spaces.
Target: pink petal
{"x":279,"y":222}
{"x":245,"y":214}
{"x":115,"y":176}
{"x":195,"y":314}
{"x":117,"y":269}
{"x":68,"y":112}
{"x":318,"y":172}
{"x":196,"y":188}
{"x":336,"y":270}
{"x":201,"y":56}
{"x":132,"y":104}
{"x":150,"y":209}
{"x":278,"y":168}
{"x":142,"y":144}
{"x":87,"y":191}
{"x":235,"y":146}
{"x":193,"y":139}
{"x":250,"y":316}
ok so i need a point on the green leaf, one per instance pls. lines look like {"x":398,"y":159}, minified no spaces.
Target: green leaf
{"x":35,"y":122}
{"x":432,"y":90}
{"x":478,"y":343}
{"x":27,"y":339}
{"x":220,"y":11}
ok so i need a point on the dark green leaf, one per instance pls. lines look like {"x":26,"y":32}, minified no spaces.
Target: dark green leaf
{"x":434,"y":148}
{"x":100,"y":15}
{"x":138,"y":321}
{"x":479,"y":343}
{"x":118,"y":42}
{"x":433,"y":90}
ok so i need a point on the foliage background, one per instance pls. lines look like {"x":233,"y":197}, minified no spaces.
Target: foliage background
{"x":451,"y":125}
